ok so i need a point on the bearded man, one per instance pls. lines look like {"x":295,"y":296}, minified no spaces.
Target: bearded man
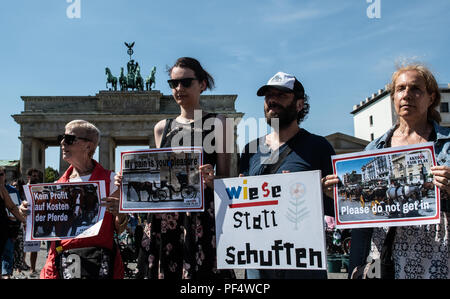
{"x":288,"y":148}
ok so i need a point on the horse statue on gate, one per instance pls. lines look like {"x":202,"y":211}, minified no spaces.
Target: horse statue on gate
{"x":138,"y":80}
{"x":122,"y":80}
{"x":111,"y":79}
{"x":151,"y":80}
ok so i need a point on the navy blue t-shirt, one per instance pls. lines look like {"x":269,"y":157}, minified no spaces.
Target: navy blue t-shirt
{"x":309,"y":152}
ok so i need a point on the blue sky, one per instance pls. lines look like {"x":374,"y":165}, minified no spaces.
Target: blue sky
{"x":339,"y":54}
{"x":347,"y":166}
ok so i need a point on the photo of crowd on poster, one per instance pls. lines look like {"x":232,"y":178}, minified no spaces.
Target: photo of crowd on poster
{"x":386,"y":187}
{"x":63,"y":211}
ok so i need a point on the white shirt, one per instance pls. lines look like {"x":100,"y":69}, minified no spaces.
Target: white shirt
{"x":85,"y":178}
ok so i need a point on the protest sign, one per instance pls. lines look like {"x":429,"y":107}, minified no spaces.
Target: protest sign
{"x":386,"y":187}
{"x":31,"y":246}
{"x":162,"y":180}
{"x":62,"y":211}
{"x":16,"y":200}
{"x":270,"y":222}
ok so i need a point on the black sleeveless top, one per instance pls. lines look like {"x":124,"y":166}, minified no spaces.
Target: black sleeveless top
{"x":192,"y":134}
{"x":182,"y":245}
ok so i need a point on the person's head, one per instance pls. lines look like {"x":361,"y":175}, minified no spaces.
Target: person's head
{"x":79,"y":141}
{"x":17,"y":183}
{"x":285,"y":100}
{"x":188,"y":80}
{"x":415,"y":93}
{"x":2,"y":175}
{"x":34,"y":176}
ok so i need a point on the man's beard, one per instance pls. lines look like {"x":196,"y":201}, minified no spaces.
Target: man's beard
{"x":285,"y":116}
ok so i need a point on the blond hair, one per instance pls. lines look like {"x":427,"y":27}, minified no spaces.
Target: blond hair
{"x":89,"y":131}
{"x":430,"y":83}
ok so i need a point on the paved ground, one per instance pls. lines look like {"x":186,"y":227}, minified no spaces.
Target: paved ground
{"x":42,"y":255}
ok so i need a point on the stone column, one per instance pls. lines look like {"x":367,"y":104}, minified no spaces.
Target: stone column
{"x":106,"y":152}
{"x":38,"y":154}
{"x":32,"y":154}
{"x":25,"y":155}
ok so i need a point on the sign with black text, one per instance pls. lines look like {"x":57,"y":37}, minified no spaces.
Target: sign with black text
{"x":386,"y":187}
{"x":270,"y":222}
{"x":162,"y":180}
{"x":62,"y":211}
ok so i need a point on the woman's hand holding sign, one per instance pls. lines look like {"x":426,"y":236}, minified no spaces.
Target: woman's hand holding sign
{"x":441,"y":177}
{"x":111,"y":203}
{"x":208,"y":175}
{"x":328,"y":183}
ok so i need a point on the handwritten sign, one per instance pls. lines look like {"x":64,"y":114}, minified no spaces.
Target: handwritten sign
{"x":270,"y":222}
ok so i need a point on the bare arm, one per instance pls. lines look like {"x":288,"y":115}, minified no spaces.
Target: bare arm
{"x":112,"y":206}
{"x":10,"y":204}
{"x":223,"y":158}
{"x":158,"y":131}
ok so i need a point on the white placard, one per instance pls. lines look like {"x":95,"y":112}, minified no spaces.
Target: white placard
{"x":162,"y":180}
{"x":31,"y":246}
{"x":15,"y":199}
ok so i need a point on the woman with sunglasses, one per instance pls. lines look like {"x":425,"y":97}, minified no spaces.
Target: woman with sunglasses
{"x":78,"y":145}
{"x":182,"y":245}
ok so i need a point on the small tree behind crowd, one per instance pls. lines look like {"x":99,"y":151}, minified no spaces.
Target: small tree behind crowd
{"x":51,"y":175}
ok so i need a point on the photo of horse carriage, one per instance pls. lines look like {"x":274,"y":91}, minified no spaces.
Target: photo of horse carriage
{"x":384,"y":194}
{"x":162,"y":191}
{"x":161,"y":180}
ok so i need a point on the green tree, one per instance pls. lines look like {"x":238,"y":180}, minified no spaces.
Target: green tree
{"x":51,"y":175}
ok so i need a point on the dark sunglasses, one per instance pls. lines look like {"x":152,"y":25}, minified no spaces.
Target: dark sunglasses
{"x":186,"y":82}
{"x":69,"y":139}
{"x":2,"y":174}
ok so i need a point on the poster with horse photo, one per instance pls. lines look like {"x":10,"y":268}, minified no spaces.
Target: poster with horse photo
{"x":62,"y":211}
{"x":386,"y":187}
{"x":162,"y":180}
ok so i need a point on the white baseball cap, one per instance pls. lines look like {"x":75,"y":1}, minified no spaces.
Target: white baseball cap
{"x":284,"y":82}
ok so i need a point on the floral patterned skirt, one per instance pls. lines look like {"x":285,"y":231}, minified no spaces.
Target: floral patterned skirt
{"x":180,"y":246}
{"x":419,"y":252}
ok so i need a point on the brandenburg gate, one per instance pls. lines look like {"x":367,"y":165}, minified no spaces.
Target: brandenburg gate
{"x":124,"y":118}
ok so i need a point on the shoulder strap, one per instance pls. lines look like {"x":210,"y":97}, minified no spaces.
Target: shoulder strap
{"x":273,"y":167}
{"x":389,"y":240}
{"x":166,"y":130}
{"x":387,"y":267}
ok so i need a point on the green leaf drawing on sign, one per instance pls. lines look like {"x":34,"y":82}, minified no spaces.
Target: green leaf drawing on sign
{"x":298,"y":211}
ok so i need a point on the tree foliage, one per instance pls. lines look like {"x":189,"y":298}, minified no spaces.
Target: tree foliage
{"x":51,"y":175}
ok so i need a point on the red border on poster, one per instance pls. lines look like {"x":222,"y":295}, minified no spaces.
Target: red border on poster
{"x":164,"y":210}
{"x":382,"y":152}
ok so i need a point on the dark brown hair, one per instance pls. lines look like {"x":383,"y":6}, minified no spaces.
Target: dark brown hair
{"x":193,"y":64}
